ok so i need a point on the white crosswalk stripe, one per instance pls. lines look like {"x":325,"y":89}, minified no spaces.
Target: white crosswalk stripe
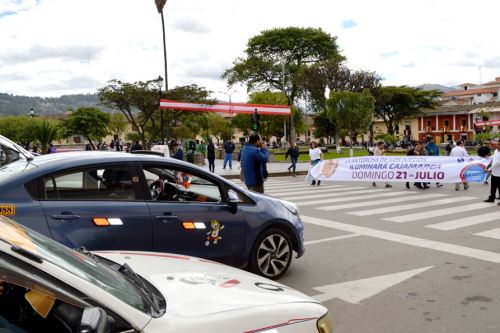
{"x":287,"y":189}
{"x":439,"y":212}
{"x":383,"y":202}
{"x":392,"y":209}
{"x":344,"y":199}
{"x":493,"y":233}
{"x":466,"y":222}
{"x":313,"y":190}
{"x":330,"y":194}
{"x":339,"y":197}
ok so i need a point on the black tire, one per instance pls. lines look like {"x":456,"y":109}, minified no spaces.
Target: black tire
{"x":271,"y":254}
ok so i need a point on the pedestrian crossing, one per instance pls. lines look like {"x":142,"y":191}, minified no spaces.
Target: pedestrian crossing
{"x":443,"y":211}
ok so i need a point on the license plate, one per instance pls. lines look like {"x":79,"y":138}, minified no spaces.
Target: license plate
{"x":7,"y":210}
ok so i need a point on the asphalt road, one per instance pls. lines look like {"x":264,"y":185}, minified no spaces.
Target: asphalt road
{"x":398,"y":260}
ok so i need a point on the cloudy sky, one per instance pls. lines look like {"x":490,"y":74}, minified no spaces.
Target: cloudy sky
{"x":56,"y":47}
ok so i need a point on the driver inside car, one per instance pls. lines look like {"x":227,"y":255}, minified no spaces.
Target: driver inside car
{"x":22,"y":310}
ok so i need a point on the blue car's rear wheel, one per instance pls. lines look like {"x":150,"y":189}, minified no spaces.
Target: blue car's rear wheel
{"x":271,"y":254}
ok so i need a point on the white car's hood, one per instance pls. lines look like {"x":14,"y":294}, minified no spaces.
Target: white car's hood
{"x":194,"y":287}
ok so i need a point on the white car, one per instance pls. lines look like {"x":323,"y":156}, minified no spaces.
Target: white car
{"x":48,"y":287}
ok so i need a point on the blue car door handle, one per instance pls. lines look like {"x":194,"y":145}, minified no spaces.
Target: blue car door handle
{"x":167,"y":217}
{"x":65,"y":217}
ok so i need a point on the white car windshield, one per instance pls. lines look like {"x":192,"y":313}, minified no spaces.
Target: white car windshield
{"x":74,"y":262}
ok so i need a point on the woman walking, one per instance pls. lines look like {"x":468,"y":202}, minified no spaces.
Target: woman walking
{"x":316,"y":155}
{"x":294,"y":153}
{"x":211,"y":155}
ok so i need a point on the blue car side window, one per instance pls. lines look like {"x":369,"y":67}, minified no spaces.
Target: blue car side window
{"x":111,"y":183}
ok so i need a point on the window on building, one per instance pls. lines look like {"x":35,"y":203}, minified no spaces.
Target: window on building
{"x":463,"y":122}
{"x":495,"y":94}
{"x":446,"y":123}
{"x":429,"y":123}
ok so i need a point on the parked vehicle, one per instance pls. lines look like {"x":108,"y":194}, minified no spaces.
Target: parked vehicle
{"x":48,"y":287}
{"x":117,"y":201}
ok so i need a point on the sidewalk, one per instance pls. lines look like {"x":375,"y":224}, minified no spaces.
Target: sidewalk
{"x":275,"y":169}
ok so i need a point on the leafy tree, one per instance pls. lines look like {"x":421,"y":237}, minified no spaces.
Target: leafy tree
{"x":19,"y":129}
{"x":219,"y":127}
{"x":175,"y":118}
{"x":351,"y":111}
{"x":324,"y":126}
{"x":268,"y":52}
{"x":117,"y":123}
{"x":333,"y":75}
{"x":137,"y":101}
{"x":393,"y":104}
{"x":89,"y":122}
{"x":45,"y":133}
{"x":133,"y":137}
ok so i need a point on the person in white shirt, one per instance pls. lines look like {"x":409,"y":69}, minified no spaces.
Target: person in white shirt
{"x":459,"y":151}
{"x":494,"y":171}
{"x":380,"y":151}
{"x":316,"y":156}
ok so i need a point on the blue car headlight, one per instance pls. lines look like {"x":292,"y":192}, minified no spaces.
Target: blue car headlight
{"x":290,"y":206}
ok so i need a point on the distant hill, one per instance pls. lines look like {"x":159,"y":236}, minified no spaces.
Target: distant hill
{"x":428,"y":86}
{"x":21,"y":105}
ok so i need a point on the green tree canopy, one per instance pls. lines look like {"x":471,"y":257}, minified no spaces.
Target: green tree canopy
{"x":117,"y":123}
{"x":137,"y":101}
{"x":393,"y":104}
{"x":46,"y":132}
{"x":351,"y":112}
{"x":88,"y":122}
{"x":333,"y":75}
{"x":273,"y":60}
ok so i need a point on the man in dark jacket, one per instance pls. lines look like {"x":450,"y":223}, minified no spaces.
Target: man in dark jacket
{"x":178,"y":153}
{"x":294,"y":153}
{"x":254,"y":157}
{"x":211,"y":155}
{"x":228,"y":157}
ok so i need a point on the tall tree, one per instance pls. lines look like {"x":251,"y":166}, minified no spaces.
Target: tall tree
{"x":46,"y":132}
{"x":274,"y":58}
{"x":352,"y":112}
{"x":333,"y":75}
{"x":393,"y":104}
{"x":137,"y":101}
{"x":88,"y":122}
{"x":324,"y":126}
{"x":117,"y":123}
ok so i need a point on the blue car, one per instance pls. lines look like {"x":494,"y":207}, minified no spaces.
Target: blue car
{"x":120,"y":201}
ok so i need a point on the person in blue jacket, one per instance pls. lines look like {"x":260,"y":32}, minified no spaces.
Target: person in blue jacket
{"x":432,"y":150}
{"x":254,"y":156}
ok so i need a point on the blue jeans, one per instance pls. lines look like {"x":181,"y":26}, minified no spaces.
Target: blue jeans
{"x":228,"y":158}
{"x":294,"y":163}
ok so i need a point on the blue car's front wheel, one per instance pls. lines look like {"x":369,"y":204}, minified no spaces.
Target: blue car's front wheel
{"x":271,"y":254}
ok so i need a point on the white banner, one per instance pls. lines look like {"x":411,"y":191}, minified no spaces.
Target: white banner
{"x":440,"y":169}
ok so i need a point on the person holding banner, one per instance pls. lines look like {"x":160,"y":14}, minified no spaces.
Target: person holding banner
{"x":380,"y":151}
{"x":459,"y":151}
{"x":416,"y":151}
{"x":316,"y":156}
{"x":494,"y":171}
{"x":432,"y":150}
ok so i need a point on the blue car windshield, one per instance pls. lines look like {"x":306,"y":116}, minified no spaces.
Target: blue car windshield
{"x":74,"y":262}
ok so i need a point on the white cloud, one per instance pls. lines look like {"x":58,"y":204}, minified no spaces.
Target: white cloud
{"x":54,"y":47}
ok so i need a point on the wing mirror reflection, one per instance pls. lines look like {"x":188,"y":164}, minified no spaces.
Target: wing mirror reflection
{"x":233,"y":201}
{"x":96,"y":320}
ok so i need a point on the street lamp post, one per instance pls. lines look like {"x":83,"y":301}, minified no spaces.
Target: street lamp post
{"x":160,"y":83}
{"x":159,"y":5}
{"x":32,"y":112}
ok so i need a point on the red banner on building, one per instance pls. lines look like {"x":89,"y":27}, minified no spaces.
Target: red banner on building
{"x":278,"y":110}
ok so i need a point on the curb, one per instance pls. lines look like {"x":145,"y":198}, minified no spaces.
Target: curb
{"x":273,"y":174}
